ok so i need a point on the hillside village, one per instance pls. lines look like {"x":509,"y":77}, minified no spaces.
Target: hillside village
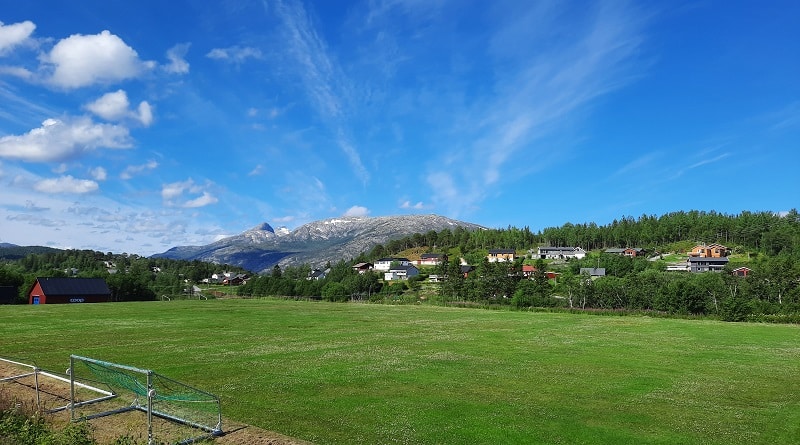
{"x":465,"y":267}
{"x":701,"y":258}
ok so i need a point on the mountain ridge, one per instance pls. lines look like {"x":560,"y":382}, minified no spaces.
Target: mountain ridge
{"x":315,"y":243}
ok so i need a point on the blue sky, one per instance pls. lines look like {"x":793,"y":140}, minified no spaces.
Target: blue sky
{"x":138,"y":126}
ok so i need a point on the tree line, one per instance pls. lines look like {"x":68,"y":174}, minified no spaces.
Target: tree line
{"x":130,"y":277}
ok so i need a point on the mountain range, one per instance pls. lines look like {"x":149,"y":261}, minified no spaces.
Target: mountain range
{"x":316,"y":243}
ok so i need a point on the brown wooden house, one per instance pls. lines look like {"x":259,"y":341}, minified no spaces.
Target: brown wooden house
{"x":709,"y":251}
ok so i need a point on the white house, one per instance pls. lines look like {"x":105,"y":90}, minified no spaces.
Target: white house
{"x":384,"y":264}
{"x":560,"y":253}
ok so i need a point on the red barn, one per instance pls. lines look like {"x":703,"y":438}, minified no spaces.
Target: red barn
{"x":69,"y":290}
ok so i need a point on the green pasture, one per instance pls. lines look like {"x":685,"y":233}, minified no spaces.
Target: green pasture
{"x":377,"y":374}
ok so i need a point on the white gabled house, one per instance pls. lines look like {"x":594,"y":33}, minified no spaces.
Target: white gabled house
{"x":560,"y":253}
{"x":384,"y":264}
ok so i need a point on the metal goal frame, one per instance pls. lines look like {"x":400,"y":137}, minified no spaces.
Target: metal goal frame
{"x":148,"y":391}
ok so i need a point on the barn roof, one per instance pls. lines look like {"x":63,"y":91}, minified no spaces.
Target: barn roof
{"x":73,"y":286}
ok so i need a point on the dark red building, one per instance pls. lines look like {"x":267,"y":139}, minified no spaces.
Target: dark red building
{"x":69,"y":290}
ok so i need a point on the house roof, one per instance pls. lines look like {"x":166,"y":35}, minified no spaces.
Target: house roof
{"x":695,"y":259}
{"x":392,"y":259}
{"x":742,"y":268}
{"x":560,"y":248}
{"x":614,"y":250}
{"x":73,"y":286}
{"x":594,"y":271}
{"x":431,"y":256}
{"x":496,"y":251}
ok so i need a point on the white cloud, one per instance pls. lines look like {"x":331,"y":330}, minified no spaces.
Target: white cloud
{"x":202,"y":201}
{"x":145,"y":115}
{"x":446,"y":191}
{"x":59,"y":140}
{"x":357,"y":211}
{"x":177,"y":59}
{"x":99,"y":173}
{"x":133,"y":170}
{"x":16,"y":71}
{"x":284,"y":219}
{"x":82,"y":60}
{"x":111,"y":106}
{"x":31,"y":206}
{"x":257,"y":170}
{"x":115,"y":106}
{"x":14,"y":35}
{"x":175,"y":189}
{"x":171,"y":193}
{"x":408,"y":205}
{"x":65,"y":184}
{"x":234,"y":54}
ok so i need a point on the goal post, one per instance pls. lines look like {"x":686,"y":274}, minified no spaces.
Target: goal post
{"x":147,"y":391}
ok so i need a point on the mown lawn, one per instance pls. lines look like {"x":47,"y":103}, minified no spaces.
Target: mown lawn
{"x":374,"y":374}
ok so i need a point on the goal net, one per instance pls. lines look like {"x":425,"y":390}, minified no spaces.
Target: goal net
{"x":162,"y":399}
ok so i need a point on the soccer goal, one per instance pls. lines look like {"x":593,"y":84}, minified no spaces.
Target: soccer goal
{"x":160,"y":398}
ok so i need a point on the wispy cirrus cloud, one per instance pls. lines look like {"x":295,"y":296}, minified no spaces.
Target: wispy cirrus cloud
{"x":174,"y":194}
{"x":541,"y":84}
{"x":639,"y":163}
{"x":700,"y":159}
{"x":65,"y":185}
{"x":135,"y":170}
{"x":177,"y":59}
{"x":324,"y":82}
{"x":235,"y":54}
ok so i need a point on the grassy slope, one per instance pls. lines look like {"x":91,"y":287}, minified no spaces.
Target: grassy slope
{"x":348,"y":373}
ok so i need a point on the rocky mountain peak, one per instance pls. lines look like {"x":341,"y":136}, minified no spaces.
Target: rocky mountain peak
{"x":315,"y":243}
{"x":262,"y":227}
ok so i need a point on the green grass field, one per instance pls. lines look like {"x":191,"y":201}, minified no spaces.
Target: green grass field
{"x":375,"y":374}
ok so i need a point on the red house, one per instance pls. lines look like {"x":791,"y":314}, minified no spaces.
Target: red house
{"x":69,"y":290}
{"x":741,"y":271}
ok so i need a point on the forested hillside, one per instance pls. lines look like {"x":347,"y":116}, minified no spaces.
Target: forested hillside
{"x":766,"y":232}
{"x":767,"y":244}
